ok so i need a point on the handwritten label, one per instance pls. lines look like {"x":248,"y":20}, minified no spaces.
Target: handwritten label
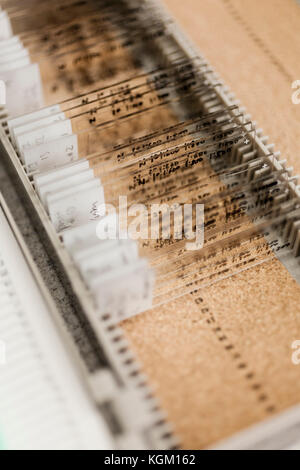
{"x":51,"y":154}
{"x":30,"y":126}
{"x":75,"y":206}
{"x":43,"y":135}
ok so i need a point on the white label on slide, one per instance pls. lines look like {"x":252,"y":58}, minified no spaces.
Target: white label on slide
{"x":78,"y":238}
{"x":14,"y":65}
{"x":126,"y":292}
{"x":34,"y":116}
{"x":94,"y":247}
{"x":51,"y":154}
{"x":59,"y":173}
{"x":77,"y":207}
{"x":13,"y":56}
{"x":71,"y":181}
{"x":5,"y":26}
{"x":101,"y":264}
{"x":42,"y":135}
{"x":23,"y":89}
{"x":9,"y":42}
{"x":12,"y":48}
{"x":46,"y":121}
